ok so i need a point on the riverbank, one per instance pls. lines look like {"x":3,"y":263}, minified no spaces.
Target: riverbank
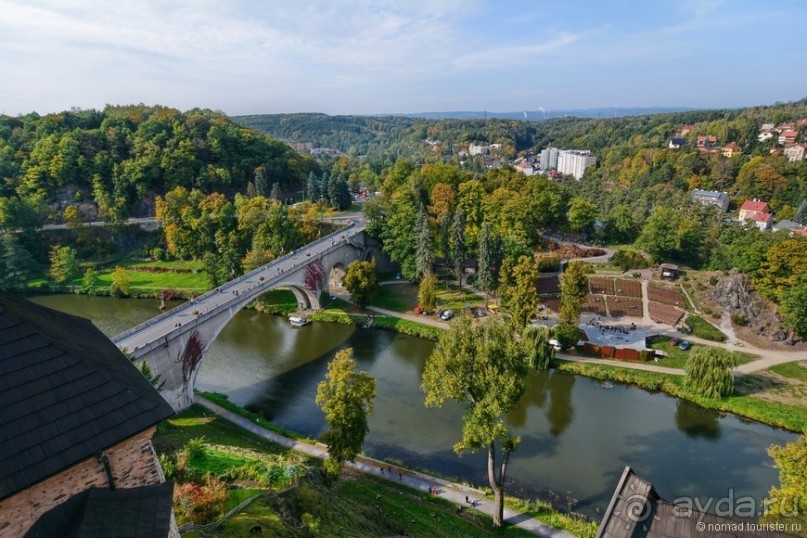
{"x":403,"y":478}
{"x":788,"y":417}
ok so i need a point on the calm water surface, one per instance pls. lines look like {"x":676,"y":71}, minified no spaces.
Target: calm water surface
{"x":576,"y":434}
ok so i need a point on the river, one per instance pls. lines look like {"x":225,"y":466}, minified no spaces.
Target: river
{"x":577,"y":434}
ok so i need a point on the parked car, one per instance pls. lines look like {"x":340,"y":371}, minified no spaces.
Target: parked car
{"x":447,"y":315}
{"x":685,"y":345}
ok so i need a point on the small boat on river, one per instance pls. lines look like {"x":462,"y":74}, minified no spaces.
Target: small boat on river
{"x":299,"y":321}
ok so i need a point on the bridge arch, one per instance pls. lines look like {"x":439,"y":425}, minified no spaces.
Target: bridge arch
{"x":174,"y":343}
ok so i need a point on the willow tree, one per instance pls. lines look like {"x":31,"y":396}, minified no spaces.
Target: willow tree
{"x":346,"y":397}
{"x":484,"y":368}
{"x":708,"y":371}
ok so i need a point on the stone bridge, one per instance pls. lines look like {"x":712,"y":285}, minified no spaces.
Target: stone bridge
{"x":174,"y":343}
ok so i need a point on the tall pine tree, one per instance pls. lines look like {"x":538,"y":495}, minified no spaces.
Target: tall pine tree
{"x":491,"y":254}
{"x":457,"y":245}
{"x":312,"y":188}
{"x":17,"y":265}
{"x":261,"y":182}
{"x":423,"y":249}
{"x":801,"y":214}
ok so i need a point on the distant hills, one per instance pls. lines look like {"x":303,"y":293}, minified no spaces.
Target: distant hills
{"x":542,"y":114}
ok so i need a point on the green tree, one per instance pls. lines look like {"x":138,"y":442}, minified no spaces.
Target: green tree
{"x":793,"y":306}
{"x":491,"y":254}
{"x":801,"y":213}
{"x":361,"y":280}
{"x":63,"y":263}
{"x":659,"y":237}
{"x":427,"y":297}
{"x":708,"y":371}
{"x":581,"y":215}
{"x":457,"y":246}
{"x":781,"y":267}
{"x":538,"y":352}
{"x":424,"y":250}
{"x":88,"y":280}
{"x":346,"y":397}
{"x":518,"y":288}
{"x":72,"y":217}
{"x":312,"y":188}
{"x":275,"y":194}
{"x":398,"y":234}
{"x":573,"y":289}
{"x":261,"y":182}
{"x":121,"y":283}
{"x":484,"y":369}
{"x":786,"y":504}
{"x":620,"y":226}
{"x":17,"y":266}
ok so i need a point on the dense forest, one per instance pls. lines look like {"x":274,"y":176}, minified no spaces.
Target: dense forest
{"x":219,"y":186}
{"x":112,"y":163}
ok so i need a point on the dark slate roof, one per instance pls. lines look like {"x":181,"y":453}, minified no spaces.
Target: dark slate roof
{"x":637,"y":511}
{"x":67,"y":393}
{"x":143,"y":512}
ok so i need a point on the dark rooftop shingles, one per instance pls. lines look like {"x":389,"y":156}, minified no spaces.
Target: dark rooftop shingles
{"x":143,"y":512}
{"x":67,"y":393}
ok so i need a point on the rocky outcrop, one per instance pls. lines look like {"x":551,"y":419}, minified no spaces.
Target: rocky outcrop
{"x":736,"y":294}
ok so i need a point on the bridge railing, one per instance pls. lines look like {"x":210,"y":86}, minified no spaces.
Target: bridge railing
{"x":232,"y":283}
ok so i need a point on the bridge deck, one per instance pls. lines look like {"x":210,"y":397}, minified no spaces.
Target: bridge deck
{"x":250,"y":285}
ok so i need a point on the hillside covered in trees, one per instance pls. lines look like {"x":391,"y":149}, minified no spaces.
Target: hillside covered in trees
{"x":112,"y":163}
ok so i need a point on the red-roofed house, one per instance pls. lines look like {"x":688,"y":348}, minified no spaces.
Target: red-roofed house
{"x":706,"y":141}
{"x":763,"y":221}
{"x":788,"y":137}
{"x":750,"y":207}
{"x":732,"y":149}
{"x":525,"y":168}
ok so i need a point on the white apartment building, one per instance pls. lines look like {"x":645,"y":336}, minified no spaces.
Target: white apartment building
{"x":549,"y":158}
{"x":573,"y":162}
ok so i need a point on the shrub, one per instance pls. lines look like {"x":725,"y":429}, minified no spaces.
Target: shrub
{"x":739,"y":320}
{"x":706,"y":310}
{"x":626,"y":259}
{"x":713,"y":280}
{"x":158,"y":253}
{"x":199,"y":504}
{"x":549,"y":264}
{"x":196,"y":448}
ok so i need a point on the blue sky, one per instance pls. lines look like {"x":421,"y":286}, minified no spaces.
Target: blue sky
{"x":365,"y":57}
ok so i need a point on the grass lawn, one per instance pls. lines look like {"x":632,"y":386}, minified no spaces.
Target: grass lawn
{"x":456,"y":300}
{"x":358,"y":506}
{"x":792,"y":370}
{"x":182,"y":265}
{"x":677,"y":358}
{"x":147,"y":282}
{"x":703,"y":329}
{"x":196,"y":421}
{"x":355,"y":505}
{"x":397,"y":297}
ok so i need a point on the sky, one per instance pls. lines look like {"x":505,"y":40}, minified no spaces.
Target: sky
{"x":406,"y":56}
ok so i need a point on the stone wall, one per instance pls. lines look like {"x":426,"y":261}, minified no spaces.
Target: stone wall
{"x":133,"y":465}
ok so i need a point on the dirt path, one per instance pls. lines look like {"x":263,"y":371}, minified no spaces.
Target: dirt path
{"x":455,"y":493}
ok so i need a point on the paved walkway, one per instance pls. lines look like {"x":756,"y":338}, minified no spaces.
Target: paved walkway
{"x":455,"y":493}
